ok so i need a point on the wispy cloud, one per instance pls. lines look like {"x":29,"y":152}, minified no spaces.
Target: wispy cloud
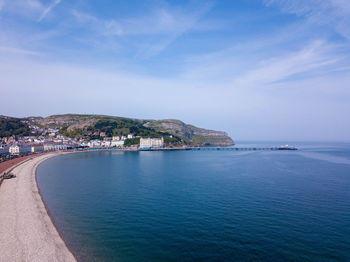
{"x":314,"y":56}
{"x":32,"y":4}
{"x":14,"y":50}
{"x":159,"y":29}
{"x":170,"y":25}
{"x":24,"y":8}
{"x":333,"y":13}
{"x":49,"y":9}
{"x":256,"y":66}
{"x":98,"y":26}
{"x":166,"y":21}
{"x":158,"y":22}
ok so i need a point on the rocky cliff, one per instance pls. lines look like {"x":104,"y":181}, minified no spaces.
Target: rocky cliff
{"x":191,"y":134}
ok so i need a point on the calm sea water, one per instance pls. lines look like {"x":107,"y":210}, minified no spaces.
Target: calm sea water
{"x":203,"y":205}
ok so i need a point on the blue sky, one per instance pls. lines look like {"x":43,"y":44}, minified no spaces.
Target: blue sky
{"x":258,"y":69}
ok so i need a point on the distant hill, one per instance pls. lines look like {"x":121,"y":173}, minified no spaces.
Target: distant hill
{"x":89,"y":126}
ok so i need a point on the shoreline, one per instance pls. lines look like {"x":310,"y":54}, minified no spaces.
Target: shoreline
{"x":27,"y":230}
{"x":46,"y":207}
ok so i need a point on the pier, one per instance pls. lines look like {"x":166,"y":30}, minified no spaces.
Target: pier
{"x":265,"y":148}
{"x":208,"y":148}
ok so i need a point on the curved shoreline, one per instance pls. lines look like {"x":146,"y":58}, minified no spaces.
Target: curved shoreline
{"x":27,"y":231}
{"x":46,"y":207}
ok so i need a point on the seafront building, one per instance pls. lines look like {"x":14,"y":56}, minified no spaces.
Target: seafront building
{"x":52,"y":147}
{"x":151,"y":142}
{"x":106,"y":143}
{"x":119,"y":143}
{"x":94,"y":143}
{"x":99,"y":143}
{"x":14,"y":150}
{"x":48,"y":147}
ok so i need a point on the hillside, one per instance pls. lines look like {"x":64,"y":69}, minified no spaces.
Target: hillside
{"x":10,"y":126}
{"x":89,"y":127}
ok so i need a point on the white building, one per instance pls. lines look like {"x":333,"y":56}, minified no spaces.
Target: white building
{"x":115,"y":138}
{"x":151,"y":142}
{"x":38,"y":141}
{"x":54,"y":147}
{"x":59,"y":147}
{"x":119,"y":143}
{"x":14,"y":150}
{"x":130,"y":136}
{"x":48,"y":147}
{"x":94,"y":143}
{"x":106,"y":143}
{"x":84,"y":144}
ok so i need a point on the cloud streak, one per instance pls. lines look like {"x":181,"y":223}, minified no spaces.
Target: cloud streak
{"x":14,"y":50}
{"x":257,"y":65}
{"x":333,"y":13}
{"x":158,"y":29}
{"x":48,"y":9}
{"x":313,"y":57}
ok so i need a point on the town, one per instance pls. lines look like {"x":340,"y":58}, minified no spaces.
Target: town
{"x":51,"y":139}
{"x":30,"y":135}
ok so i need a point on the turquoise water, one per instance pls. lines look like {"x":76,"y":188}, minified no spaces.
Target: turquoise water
{"x":202,"y":205}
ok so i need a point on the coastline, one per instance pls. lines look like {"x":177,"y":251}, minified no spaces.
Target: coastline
{"x":27,"y":231}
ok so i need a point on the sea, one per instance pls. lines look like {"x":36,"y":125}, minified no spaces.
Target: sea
{"x":203,"y":205}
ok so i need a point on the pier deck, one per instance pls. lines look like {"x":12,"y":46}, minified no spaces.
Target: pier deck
{"x":222,"y":148}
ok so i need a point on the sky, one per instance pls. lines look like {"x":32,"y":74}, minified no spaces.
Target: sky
{"x":257,"y":69}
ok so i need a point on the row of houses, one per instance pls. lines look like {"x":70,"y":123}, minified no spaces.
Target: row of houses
{"x":99,"y":143}
{"x":54,"y":147}
{"x":28,"y":140}
{"x":15,"y":149}
{"x":144,"y":143}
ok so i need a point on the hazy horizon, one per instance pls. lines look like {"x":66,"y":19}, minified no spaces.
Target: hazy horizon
{"x":260,"y":70}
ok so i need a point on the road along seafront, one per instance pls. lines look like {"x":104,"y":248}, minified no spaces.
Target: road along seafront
{"x":27,"y":232}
